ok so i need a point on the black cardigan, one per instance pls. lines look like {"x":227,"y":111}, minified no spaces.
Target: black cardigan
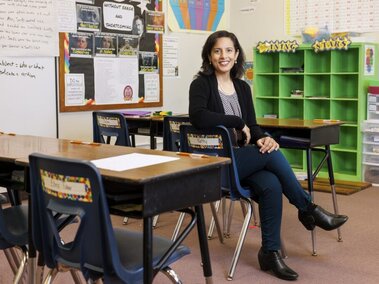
{"x":206,"y":109}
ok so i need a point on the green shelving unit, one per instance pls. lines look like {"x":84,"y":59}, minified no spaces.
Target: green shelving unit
{"x":335,"y":87}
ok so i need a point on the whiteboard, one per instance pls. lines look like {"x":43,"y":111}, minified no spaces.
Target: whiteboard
{"x":28,"y":95}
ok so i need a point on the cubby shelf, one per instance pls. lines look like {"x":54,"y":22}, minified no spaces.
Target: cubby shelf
{"x":334,"y":85}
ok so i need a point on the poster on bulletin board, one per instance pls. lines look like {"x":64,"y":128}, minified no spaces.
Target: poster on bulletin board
{"x":113,"y":60}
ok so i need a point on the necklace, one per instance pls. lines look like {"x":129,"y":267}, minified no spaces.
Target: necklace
{"x":228,"y":89}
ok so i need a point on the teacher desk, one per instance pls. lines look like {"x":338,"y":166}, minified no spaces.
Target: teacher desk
{"x":174,"y":185}
{"x":308,"y":135}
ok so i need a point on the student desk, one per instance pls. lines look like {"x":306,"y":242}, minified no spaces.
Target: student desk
{"x":178,"y":184}
{"x":307,"y":135}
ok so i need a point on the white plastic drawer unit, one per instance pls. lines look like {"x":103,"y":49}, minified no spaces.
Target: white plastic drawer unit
{"x":371,"y":158}
{"x":370,"y":130}
{"x":371,"y":173}
{"x":370,"y":146}
{"x":370,"y":126}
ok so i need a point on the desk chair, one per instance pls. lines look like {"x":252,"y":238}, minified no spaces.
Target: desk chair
{"x":111,"y":128}
{"x":14,"y":234}
{"x":216,"y":141}
{"x":113,"y":254}
{"x":171,"y":142}
{"x":171,"y":132}
{"x":108,"y":125}
{"x":13,"y":187}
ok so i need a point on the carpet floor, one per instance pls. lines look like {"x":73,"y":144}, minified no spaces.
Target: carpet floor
{"x":353,"y":261}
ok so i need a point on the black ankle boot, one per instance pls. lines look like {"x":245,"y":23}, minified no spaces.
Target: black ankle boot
{"x":317,"y":216}
{"x":273,"y":261}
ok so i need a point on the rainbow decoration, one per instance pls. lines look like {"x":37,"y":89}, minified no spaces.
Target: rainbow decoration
{"x":200,"y":15}
{"x":66,"y":53}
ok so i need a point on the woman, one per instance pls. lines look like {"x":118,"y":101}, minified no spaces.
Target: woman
{"x":107,"y":42}
{"x":219,"y":97}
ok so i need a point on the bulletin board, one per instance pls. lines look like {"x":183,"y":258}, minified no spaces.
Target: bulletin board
{"x":114,"y":59}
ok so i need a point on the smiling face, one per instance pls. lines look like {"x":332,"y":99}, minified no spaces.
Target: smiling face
{"x":223,"y":55}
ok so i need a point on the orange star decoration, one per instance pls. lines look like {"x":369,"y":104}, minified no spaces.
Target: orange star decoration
{"x":277,"y":46}
{"x":331,"y":44}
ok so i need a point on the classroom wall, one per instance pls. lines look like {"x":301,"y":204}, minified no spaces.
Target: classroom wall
{"x":264,"y":23}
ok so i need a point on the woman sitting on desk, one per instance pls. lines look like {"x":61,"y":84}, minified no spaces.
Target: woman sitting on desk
{"x":219,"y":97}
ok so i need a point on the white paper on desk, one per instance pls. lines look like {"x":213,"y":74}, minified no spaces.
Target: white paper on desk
{"x":131,"y":161}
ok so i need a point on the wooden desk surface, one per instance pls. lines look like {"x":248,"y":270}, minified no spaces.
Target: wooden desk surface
{"x":317,"y":133}
{"x":18,"y":148}
{"x":152,"y":118}
{"x":294,"y":123}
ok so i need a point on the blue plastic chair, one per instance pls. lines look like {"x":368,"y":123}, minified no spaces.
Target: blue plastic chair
{"x":113,"y":254}
{"x":108,"y":125}
{"x":111,"y":128}
{"x":216,"y":141}
{"x":13,"y":186}
{"x":171,"y":142}
{"x":13,"y":234}
{"x":171,"y":132}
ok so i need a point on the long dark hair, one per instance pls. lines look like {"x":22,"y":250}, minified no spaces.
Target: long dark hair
{"x":208,"y":69}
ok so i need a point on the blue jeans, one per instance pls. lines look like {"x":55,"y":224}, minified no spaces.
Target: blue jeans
{"x":269,"y":176}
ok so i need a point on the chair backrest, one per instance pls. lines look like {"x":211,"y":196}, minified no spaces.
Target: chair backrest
{"x":171,"y":131}
{"x":214,"y":141}
{"x":108,"y":125}
{"x":72,"y":188}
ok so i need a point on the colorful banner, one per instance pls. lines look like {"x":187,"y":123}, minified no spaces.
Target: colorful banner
{"x":196,"y":15}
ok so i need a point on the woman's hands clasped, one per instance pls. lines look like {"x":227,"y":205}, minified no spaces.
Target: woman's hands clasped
{"x":267,"y":144}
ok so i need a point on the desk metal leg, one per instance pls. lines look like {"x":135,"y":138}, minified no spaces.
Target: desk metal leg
{"x":133,"y":140}
{"x":153,"y":140}
{"x":148,"y":250}
{"x":310,"y":189}
{"x":32,"y":263}
{"x":332,"y":187}
{"x":32,"y":254}
{"x":207,"y":269}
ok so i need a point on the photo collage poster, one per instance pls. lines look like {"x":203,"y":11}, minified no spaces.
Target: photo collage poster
{"x":115,"y":49}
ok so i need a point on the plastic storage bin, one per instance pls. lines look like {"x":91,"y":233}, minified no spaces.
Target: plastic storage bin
{"x":370,"y":157}
{"x":371,"y":173}
{"x":373,"y":103}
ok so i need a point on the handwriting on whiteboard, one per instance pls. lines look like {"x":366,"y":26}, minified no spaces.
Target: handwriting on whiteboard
{"x":19,"y":68}
{"x":28,"y":28}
